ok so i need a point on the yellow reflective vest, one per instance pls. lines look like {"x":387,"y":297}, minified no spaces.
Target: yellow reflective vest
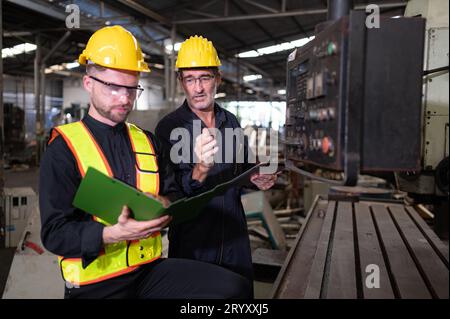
{"x":125,"y":256}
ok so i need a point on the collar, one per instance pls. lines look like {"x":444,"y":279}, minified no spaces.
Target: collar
{"x":188,"y":116}
{"x":90,"y":121}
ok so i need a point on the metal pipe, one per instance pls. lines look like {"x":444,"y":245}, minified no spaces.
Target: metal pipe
{"x":202,"y":14}
{"x":167,"y":76}
{"x":226,"y":8}
{"x":146,"y":11}
{"x":338,"y":9}
{"x":24,"y":100}
{"x":160,"y":48}
{"x":2,"y":213}
{"x":37,"y":82}
{"x":42,"y":103}
{"x":173,"y":83}
{"x":261,"y":6}
{"x":281,"y":14}
{"x":208,"y":4}
{"x":40,"y":7}
{"x":55,"y":47}
{"x":254,"y":16}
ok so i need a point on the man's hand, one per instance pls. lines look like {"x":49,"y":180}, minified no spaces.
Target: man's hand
{"x":205,"y":148}
{"x":264,"y":181}
{"x":128,"y":228}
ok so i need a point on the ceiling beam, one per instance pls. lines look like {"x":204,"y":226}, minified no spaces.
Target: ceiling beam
{"x":200,"y":13}
{"x":41,"y":8}
{"x":259,"y":26}
{"x":261,"y":6}
{"x":146,"y":11}
{"x":293,"y":18}
{"x":279,"y":14}
{"x":206,"y":5}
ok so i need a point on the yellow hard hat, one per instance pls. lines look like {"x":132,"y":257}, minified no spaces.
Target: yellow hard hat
{"x":196,"y":52}
{"x":114,"y":47}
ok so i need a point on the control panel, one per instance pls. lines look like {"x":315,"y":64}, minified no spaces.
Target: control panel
{"x":354,"y":96}
{"x":312,"y":109}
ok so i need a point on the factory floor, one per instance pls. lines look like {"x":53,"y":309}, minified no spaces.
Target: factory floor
{"x":15,"y":177}
{"x":29,"y":177}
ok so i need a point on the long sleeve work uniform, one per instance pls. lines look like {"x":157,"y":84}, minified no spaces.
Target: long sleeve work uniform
{"x":69,"y":232}
{"x":66,"y":230}
{"x":219,"y":235}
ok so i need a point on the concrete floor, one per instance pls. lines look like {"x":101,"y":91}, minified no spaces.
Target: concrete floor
{"x":15,"y":178}
{"x":262,"y":289}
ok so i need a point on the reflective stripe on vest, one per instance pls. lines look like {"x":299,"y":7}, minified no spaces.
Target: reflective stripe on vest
{"x":122,"y":257}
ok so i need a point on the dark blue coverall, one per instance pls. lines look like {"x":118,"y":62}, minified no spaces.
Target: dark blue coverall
{"x":219,"y":234}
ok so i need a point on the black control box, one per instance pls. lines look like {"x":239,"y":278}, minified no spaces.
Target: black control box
{"x":354,"y":97}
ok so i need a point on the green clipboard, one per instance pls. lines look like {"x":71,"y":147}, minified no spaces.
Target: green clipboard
{"x":104,"y":197}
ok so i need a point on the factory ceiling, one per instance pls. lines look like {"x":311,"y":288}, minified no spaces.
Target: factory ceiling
{"x":234,"y":26}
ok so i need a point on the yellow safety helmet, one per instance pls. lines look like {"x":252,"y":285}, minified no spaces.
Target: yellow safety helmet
{"x":197,"y":52}
{"x":114,"y":47}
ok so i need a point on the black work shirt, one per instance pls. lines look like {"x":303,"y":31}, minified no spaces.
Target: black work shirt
{"x":219,"y":234}
{"x":67,"y":231}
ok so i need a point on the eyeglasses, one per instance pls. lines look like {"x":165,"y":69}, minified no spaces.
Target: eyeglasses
{"x":115,"y":90}
{"x":204,"y":80}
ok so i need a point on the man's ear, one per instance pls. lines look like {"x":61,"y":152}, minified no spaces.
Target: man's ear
{"x":87,"y":83}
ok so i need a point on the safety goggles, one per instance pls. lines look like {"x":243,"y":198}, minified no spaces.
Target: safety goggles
{"x":116,"y":90}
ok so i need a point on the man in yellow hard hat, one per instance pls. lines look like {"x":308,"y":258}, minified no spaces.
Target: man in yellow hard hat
{"x":99,"y":260}
{"x":219,"y":235}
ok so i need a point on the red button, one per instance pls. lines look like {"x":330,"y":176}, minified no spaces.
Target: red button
{"x":326,"y":145}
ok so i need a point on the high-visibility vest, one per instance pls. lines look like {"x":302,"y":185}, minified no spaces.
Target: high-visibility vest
{"x":125,"y":256}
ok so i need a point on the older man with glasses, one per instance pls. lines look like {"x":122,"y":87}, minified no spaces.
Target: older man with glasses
{"x":99,"y":260}
{"x":219,"y":235}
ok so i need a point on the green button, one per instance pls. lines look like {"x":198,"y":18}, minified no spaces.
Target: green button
{"x":331,"y":48}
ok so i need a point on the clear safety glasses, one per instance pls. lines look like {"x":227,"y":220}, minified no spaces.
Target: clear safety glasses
{"x":204,"y":80}
{"x":116,"y":90}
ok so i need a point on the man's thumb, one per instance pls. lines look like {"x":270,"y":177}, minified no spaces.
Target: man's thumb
{"x":124,"y":215}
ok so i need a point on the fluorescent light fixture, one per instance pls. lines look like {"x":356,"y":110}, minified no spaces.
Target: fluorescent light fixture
{"x":158,"y":66}
{"x":220,"y":95}
{"x":62,"y":67}
{"x":54,"y":68}
{"x":18,"y":49}
{"x":252,"y":77}
{"x":281,"y":92}
{"x":72,"y":65}
{"x":275,"y":48}
{"x":177,"y":47}
{"x":249,"y":54}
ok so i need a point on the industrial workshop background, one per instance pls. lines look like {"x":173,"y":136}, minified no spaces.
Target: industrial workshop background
{"x":360,"y":116}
